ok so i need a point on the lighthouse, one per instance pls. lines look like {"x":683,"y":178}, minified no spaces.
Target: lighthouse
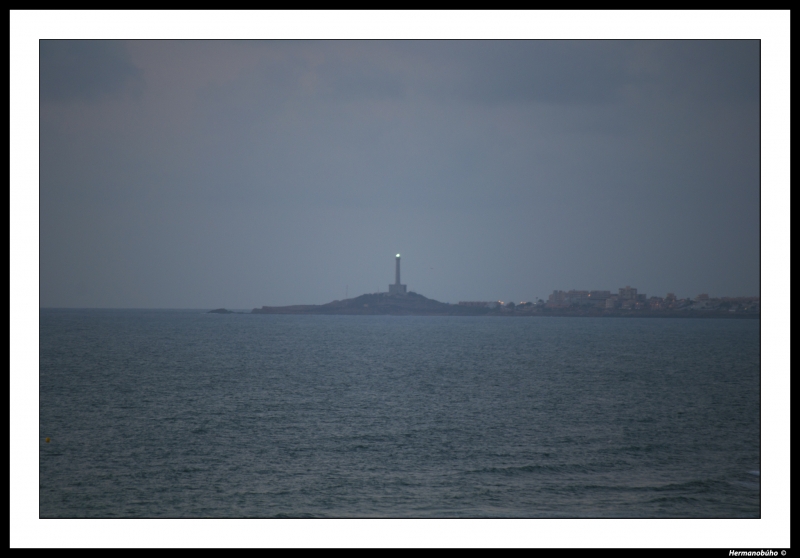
{"x":397,"y":288}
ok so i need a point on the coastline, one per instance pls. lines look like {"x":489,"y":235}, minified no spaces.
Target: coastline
{"x":413,"y":304}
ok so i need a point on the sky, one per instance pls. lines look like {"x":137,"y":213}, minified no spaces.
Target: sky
{"x":204,"y":174}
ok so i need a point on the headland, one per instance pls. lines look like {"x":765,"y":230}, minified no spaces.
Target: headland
{"x":628,"y":303}
{"x":407,"y":304}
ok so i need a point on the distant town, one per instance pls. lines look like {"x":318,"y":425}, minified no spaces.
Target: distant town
{"x":628,"y":301}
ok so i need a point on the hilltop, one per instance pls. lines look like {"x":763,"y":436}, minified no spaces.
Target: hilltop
{"x":409,"y":304}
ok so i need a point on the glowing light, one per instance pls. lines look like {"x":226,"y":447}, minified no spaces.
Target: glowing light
{"x":398,"y":255}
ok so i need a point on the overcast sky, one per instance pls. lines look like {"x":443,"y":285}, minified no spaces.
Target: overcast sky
{"x":204,"y":174}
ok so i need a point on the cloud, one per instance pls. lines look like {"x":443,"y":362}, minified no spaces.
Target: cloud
{"x":512,"y":72}
{"x":85,"y":70}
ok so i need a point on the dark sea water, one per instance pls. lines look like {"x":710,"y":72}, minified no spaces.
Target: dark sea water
{"x":188,"y":414}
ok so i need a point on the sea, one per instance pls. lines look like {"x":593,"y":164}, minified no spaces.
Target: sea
{"x":186,"y":414}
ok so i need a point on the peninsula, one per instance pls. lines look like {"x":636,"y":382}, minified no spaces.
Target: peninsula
{"x":398,"y":301}
{"x":408,"y":304}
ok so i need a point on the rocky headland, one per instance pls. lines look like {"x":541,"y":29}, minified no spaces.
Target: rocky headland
{"x":410,"y":304}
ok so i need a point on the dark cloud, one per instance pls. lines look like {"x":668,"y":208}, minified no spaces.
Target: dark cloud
{"x":569,"y":72}
{"x":84,"y":70}
{"x":710,"y":71}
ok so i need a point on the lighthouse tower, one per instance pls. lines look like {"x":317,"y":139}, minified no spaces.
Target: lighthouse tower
{"x":397,"y":288}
